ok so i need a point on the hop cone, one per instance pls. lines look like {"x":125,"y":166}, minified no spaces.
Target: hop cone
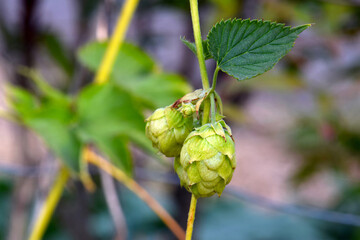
{"x":207,"y":160}
{"x":168,"y":127}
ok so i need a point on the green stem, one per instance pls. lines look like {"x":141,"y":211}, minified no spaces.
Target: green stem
{"x":198,"y":42}
{"x":219,"y":101}
{"x":50,"y":205}
{"x":215,"y":78}
{"x":200,"y":55}
{"x":212,"y":95}
{"x":191,"y":218}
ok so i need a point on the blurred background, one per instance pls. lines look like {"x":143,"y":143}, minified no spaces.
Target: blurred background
{"x":296,"y":127}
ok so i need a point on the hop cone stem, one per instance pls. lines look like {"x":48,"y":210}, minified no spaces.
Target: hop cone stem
{"x":191,"y":217}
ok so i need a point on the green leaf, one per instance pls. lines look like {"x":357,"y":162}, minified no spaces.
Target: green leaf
{"x":53,"y":121}
{"x":134,"y":71}
{"x":55,"y":110}
{"x":155,"y":90}
{"x":247,"y":48}
{"x":192,"y":47}
{"x":60,"y":139}
{"x":130,"y":60}
{"x":107,"y":111}
{"x":45,"y":89}
{"x":51,"y":118}
{"x":21,"y":101}
{"x":52,"y":104}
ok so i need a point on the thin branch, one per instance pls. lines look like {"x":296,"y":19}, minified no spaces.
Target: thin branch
{"x":112,"y":201}
{"x":131,"y":184}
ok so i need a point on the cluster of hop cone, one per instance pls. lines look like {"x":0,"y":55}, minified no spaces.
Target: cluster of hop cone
{"x":204,"y":154}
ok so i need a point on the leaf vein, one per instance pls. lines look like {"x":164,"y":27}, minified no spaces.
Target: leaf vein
{"x":222,"y":63}
{"x":241,"y":39}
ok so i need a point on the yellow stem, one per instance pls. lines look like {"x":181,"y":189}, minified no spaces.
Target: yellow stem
{"x":191,"y":218}
{"x":131,"y":184}
{"x":116,"y":40}
{"x":198,"y":42}
{"x":50,"y":205}
{"x":85,"y":175}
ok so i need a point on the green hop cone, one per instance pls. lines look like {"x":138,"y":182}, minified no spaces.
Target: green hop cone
{"x":168,"y":127}
{"x":207,"y":160}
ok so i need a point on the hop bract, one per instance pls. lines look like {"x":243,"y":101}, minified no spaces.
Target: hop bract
{"x":168,"y":127}
{"x":207,"y":160}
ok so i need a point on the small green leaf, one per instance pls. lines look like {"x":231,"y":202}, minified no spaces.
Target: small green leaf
{"x":247,"y":48}
{"x":107,"y":111}
{"x":51,"y":118}
{"x":21,"y":101}
{"x":156,"y":90}
{"x":192,"y":47}
{"x":60,"y":139}
{"x":43,"y":86}
{"x":131,"y":60}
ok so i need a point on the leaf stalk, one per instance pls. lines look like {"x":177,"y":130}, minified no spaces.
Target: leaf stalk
{"x":216,"y":72}
{"x":212,"y":95}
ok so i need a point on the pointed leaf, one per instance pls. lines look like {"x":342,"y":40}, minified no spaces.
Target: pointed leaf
{"x":51,"y":118}
{"x":192,"y":47}
{"x":46,"y":90}
{"x":60,"y":139}
{"x":22,"y":102}
{"x":247,"y":48}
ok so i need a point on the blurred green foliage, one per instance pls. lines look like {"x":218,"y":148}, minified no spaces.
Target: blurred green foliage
{"x":107,"y":116}
{"x":325,"y":143}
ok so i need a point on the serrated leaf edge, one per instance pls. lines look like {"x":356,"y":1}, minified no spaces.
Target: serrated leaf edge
{"x":232,"y":21}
